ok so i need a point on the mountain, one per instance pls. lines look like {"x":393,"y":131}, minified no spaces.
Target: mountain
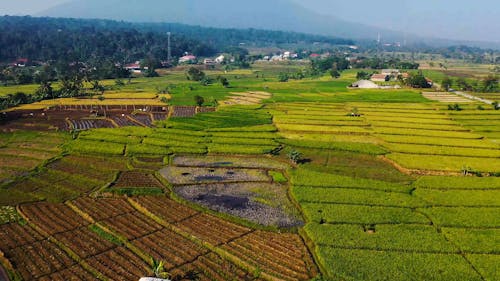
{"x":285,"y":15}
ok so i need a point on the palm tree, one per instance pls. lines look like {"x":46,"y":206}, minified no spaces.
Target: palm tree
{"x":158,"y":268}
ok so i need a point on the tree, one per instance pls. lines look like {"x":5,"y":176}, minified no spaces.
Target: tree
{"x":490,"y":84}
{"x":194,"y":74}
{"x":447,"y":83}
{"x":362,"y":75}
{"x":283,"y":77}
{"x":334,"y":73}
{"x":199,"y":100}
{"x":44,"y":91}
{"x":294,"y":156}
{"x":418,"y":81}
{"x":224,"y":82}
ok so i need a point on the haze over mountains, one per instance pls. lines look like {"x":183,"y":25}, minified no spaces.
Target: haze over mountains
{"x":283,"y":15}
{"x":286,"y":15}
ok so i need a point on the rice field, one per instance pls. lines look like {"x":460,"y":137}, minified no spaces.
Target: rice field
{"x":391,"y":185}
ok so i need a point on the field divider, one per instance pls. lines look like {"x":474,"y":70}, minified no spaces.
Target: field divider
{"x":415,"y":171}
{"x":349,"y":188}
{"x":461,"y":253}
{"x":63,"y":247}
{"x":216,"y":249}
{"x":457,"y":252}
{"x":126,"y":243}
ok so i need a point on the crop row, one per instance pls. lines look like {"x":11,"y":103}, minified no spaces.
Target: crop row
{"x":472,"y":143}
{"x":441,"y":182}
{"x":443,"y":150}
{"x":354,"y":196}
{"x":95,"y":147}
{"x":460,"y":198}
{"x":302,"y":177}
{"x":418,"y":238}
{"x":361,"y":214}
{"x":367,"y":148}
{"x":136,"y":179}
{"x":353,"y":264}
{"x":323,"y":129}
{"x":214,"y":161}
{"x":445,"y":163}
{"x":426,"y":133}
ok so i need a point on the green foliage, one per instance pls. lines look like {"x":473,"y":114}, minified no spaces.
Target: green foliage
{"x":95,"y":147}
{"x":278,"y":176}
{"x":454,"y":107}
{"x":294,"y":156}
{"x":463,"y":217}
{"x":194,"y":74}
{"x":474,"y":240}
{"x":380,"y":237}
{"x":238,"y":149}
{"x":105,"y":235}
{"x":304,"y":177}
{"x":136,"y":191}
{"x":199,"y":100}
{"x":354,"y":196}
{"x":141,"y":149}
{"x":361,"y":214}
{"x":158,"y":268}
{"x":472,"y":198}
{"x":367,"y":148}
{"x":8,"y":214}
{"x":443,"y":182}
{"x":373,"y":265}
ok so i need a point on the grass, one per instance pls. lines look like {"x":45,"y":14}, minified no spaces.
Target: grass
{"x":360,"y":214}
{"x":277,"y":177}
{"x":95,"y":147}
{"x":308,"y":178}
{"x":481,"y":241}
{"x":441,"y":182}
{"x":445,"y":163}
{"x":473,"y":198}
{"x":366,"y":148}
{"x":422,"y":238}
{"x":105,"y":235}
{"x":385,"y":265}
{"x":464,"y":217}
{"x":443,"y":150}
{"x":354,"y":196}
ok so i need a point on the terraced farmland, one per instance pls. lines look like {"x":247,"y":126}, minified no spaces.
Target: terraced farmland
{"x":386,"y":186}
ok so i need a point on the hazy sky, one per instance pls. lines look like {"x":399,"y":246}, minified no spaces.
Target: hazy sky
{"x":453,"y":19}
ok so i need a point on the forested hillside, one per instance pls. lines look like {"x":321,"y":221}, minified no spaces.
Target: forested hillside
{"x":46,"y":39}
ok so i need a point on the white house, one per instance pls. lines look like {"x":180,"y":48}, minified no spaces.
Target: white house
{"x":135,"y":67}
{"x":220,"y":59}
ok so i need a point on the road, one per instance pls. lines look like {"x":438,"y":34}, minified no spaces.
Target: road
{"x":465,"y":95}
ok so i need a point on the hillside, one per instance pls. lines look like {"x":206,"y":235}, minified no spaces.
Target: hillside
{"x":283,"y":15}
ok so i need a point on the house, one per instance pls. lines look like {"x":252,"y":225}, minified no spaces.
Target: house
{"x":429,"y":81}
{"x":277,"y":58}
{"x":380,"y":78}
{"x":134,"y":67}
{"x":208,"y":62}
{"x":220,"y":59}
{"x":391,"y":72}
{"x":22,"y":62}
{"x":188,"y":59}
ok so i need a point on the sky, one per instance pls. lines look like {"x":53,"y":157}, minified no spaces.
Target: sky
{"x":451,"y":19}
